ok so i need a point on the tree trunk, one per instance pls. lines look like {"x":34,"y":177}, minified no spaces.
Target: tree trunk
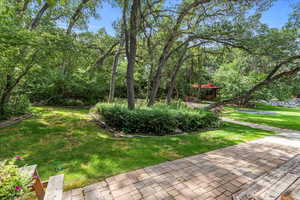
{"x":38,"y":17}
{"x":246,"y":97}
{"x":167,"y":47}
{"x":131,"y":48}
{"x":3,"y":102}
{"x":149,"y":82}
{"x":4,"y":99}
{"x":113,"y":77}
{"x":2,"y":111}
{"x":150,"y":51}
{"x":157,"y":76}
{"x":76,"y":16}
{"x":130,"y":85}
{"x":174,"y":75}
{"x":5,"y":95}
{"x":101,"y":59}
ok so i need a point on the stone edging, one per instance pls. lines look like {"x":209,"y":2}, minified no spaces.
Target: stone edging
{"x":14,"y":120}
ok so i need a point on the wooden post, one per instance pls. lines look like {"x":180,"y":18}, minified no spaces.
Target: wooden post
{"x":286,"y":196}
{"x":38,"y":186}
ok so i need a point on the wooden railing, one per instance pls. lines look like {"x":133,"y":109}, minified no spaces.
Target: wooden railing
{"x":50,"y":190}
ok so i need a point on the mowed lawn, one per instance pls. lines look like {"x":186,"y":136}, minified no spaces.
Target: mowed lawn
{"x":66,"y":141}
{"x":288,"y":118}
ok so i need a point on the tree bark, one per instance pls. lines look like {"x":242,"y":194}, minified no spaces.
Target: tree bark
{"x":149,"y":82}
{"x":174,"y":75}
{"x":150,"y":50}
{"x":3,"y":102}
{"x":157,"y":76}
{"x":131,"y":48}
{"x":38,"y":17}
{"x":100,"y":60}
{"x":76,"y":16}
{"x":10,"y":85}
{"x":167,"y":47}
{"x":5,"y":95}
{"x":113,"y":76}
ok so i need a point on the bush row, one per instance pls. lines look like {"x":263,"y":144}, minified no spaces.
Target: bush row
{"x":157,"y":120}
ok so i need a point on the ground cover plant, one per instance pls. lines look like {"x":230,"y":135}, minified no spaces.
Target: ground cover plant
{"x":288,"y":118}
{"x":13,"y":184}
{"x":160,"y":119}
{"x":67,"y":141}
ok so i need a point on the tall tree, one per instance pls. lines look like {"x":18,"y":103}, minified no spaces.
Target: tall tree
{"x":208,"y":12}
{"x":12,"y":80}
{"x":131,"y":32}
{"x":179,"y":63}
{"x":112,"y":85}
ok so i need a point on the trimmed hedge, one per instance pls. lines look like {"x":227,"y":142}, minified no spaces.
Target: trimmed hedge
{"x":157,"y":120}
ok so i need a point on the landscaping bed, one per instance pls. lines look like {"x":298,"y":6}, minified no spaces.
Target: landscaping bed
{"x":160,"y":119}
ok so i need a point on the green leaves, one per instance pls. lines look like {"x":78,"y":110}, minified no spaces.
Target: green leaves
{"x":13,"y":184}
{"x":158,"y":120}
{"x":52,"y":2}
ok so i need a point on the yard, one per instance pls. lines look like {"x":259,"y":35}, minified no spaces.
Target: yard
{"x":143,"y":67}
{"x":66,"y":141}
{"x":281,"y":117}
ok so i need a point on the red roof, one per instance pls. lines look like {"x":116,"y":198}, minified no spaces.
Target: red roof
{"x":209,"y":85}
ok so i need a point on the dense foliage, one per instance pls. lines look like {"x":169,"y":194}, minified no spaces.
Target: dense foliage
{"x":13,"y":184}
{"x":49,"y":54}
{"x":157,"y":120}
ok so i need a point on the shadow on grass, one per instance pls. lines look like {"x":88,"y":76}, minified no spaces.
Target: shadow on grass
{"x":288,"y":118}
{"x":65,"y":141}
{"x":276,"y":108}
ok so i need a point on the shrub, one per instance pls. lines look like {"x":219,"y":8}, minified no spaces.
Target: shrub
{"x":158,"y":120}
{"x":17,"y":105}
{"x":13,"y":184}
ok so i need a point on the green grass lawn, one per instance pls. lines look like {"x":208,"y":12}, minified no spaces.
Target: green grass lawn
{"x":288,"y":118}
{"x":65,"y":141}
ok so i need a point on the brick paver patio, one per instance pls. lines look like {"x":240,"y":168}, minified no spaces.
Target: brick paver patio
{"x":212,"y":175}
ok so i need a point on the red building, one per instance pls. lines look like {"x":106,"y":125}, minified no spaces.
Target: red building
{"x":207,"y":91}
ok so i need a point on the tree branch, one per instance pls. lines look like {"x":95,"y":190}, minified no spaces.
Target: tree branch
{"x":38,"y":17}
{"x":76,"y":15}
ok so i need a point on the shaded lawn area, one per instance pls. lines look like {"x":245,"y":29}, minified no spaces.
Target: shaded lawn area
{"x":65,"y":141}
{"x":288,"y":118}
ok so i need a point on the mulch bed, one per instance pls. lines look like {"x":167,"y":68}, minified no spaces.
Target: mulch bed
{"x":14,"y":120}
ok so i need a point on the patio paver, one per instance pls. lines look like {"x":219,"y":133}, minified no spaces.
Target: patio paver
{"x":214,"y":175}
